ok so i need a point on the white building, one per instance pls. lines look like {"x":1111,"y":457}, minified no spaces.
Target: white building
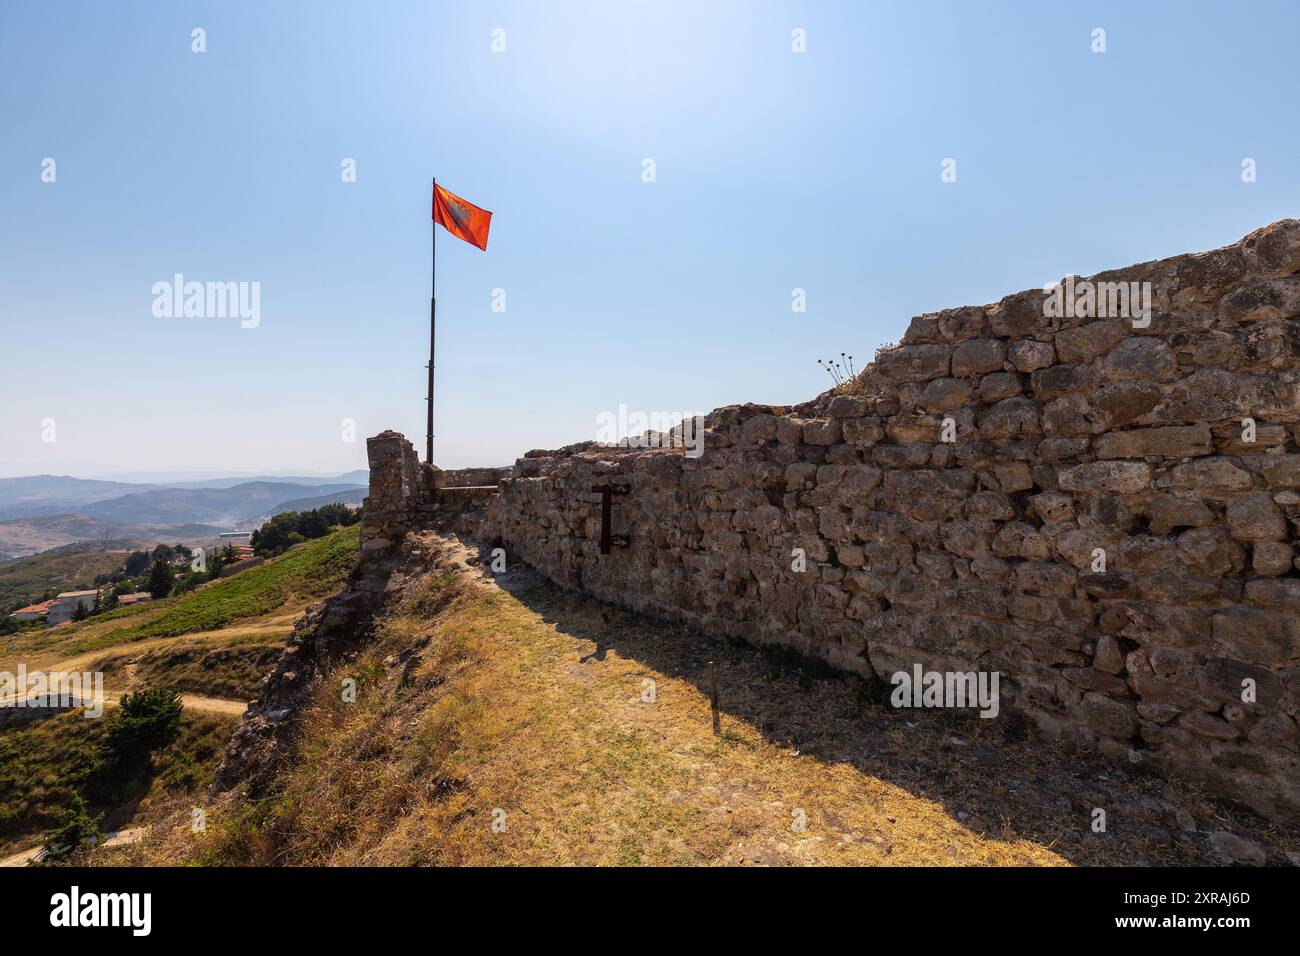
{"x":66,"y":604}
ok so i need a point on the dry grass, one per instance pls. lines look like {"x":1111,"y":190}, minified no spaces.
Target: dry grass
{"x":229,"y":663}
{"x":476,"y":699}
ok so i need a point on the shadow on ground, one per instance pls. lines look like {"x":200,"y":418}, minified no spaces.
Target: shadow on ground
{"x":1002,"y":779}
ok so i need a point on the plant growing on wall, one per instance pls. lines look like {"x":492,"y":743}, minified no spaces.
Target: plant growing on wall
{"x":841,"y":372}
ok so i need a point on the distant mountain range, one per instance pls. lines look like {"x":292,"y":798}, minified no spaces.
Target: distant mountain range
{"x":358,"y":477}
{"x":219,"y":506}
{"x":43,"y":495}
{"x":19,"y":495}
{"x":47,"y":511}
{"x":201,"y":479}
{"x":20,"y":537}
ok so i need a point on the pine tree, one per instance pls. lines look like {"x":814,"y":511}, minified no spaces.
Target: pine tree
{"x":161,"y":579}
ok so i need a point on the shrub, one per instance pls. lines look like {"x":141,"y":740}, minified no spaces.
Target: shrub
{"x":145,"y":721}
{"x":75,"y":828}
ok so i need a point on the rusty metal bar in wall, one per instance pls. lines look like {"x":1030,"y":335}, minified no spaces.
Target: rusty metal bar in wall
{"x":607,"y":538}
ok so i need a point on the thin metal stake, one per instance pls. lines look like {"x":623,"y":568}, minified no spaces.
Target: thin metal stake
{"x":713,"y":695}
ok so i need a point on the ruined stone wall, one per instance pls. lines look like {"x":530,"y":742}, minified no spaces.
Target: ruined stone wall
{"x":470,"y":477}
{"x":1072,"y":440}
{"x":402,"y":496}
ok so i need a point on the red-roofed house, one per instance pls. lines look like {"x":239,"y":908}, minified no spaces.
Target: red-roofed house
{"x":32,"y":612}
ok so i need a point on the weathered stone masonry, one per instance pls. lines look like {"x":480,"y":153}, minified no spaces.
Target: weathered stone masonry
{"x":1072,"y":435}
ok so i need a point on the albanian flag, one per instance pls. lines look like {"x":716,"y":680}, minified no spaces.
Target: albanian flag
{"x":462,"y":219}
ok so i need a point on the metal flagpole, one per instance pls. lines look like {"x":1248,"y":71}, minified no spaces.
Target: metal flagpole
{"x":433,"y":327}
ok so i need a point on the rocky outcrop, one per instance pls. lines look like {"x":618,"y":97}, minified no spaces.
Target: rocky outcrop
{"x":265,"y":736}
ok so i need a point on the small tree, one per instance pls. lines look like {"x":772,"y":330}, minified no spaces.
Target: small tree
{"x":145,"y":721}
{"x":161,"y":578}
{"x":75,"y":827}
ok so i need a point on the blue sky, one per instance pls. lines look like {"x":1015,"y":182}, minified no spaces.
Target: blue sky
{"x":774,"y":170}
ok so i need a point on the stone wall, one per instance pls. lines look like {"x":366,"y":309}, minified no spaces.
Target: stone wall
{"x":470,"y":477}
{"x":401,"y":496}
{"x":956,"y":509}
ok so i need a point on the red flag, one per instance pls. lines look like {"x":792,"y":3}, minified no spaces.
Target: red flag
{"x":462,"y":219}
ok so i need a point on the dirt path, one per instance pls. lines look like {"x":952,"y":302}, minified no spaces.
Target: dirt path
{"x":192,"y":702}
{"x":214,"y":705}
{"x":22,"y":859}
{"x":271,"y":627}
{"x":120,"y":838}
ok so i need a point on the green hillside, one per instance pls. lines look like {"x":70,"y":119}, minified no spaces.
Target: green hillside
{"x":312,"y":569}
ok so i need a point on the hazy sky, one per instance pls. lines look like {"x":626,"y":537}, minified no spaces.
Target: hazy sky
{"x":774,"y":170}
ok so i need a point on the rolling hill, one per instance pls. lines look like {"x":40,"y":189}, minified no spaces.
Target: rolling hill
{"x":359,"y":477}
{"x":352,"y":497}
{"x":25,"y":536}
{"x":219,"y":506}
{"x":212,"y":645}
{"x":38,"y":494}
{"x":40,"y":512}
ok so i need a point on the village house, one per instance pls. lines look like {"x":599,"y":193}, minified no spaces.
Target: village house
{"x":64,"y":607}
{"x":32,"y":612}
